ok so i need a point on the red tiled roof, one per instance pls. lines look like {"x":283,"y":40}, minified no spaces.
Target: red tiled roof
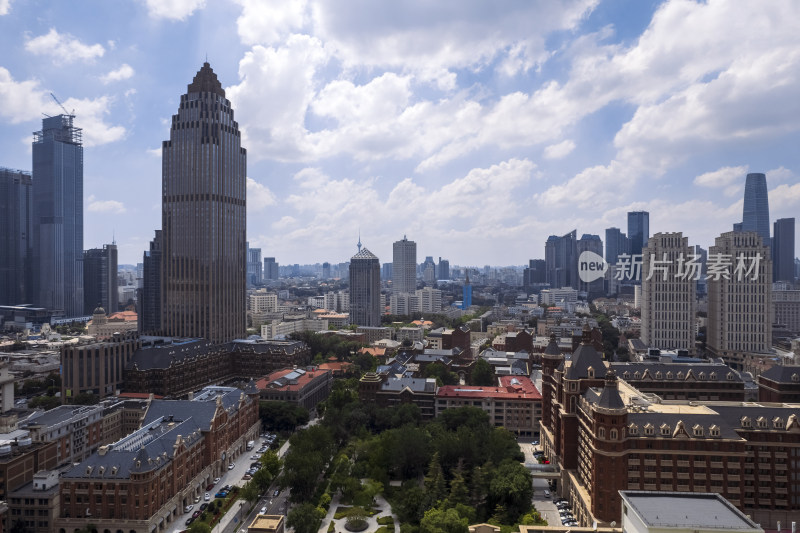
{"x":302,"y":380}
{"x":335,"y":366}
{"x":522,"y":388}
{"x":375,"y":352}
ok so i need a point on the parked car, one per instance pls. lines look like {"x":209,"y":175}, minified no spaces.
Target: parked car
{"x":189,"y":521}
{"x":231,"y":466}
{"x":247,"y":477}
{"x":188,"y":508}
{"x":209,"y":486}
{"x":263,"y":510}
{"x":206,"y":497}
{"x":216,"y":480}
{"x":221,"y":494}
{"x":275,"y":494}
{"x":204,"y":507}
{"x":196,"y":513}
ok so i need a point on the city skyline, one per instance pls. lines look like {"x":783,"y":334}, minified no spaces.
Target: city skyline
{"x":459,"y":127}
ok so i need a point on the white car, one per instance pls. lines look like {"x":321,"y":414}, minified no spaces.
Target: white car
{"x":263,"y":510}
{"x":231,"y":466}
{"x":216,"y":480}
{"x":207,"y":497}
{"x":188,"y":508}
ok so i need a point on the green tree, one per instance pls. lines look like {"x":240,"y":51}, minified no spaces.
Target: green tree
{"x":443,"y":521}
{"x":511,"y":487}
{"x":435,"y":483}
{"x":250,"y":492}
{"x":483,"y":374}
{"x":44,"y":402}
{"x":270,"y":462}
{"x":199,"y":527}
{"x":305,"y":518}
{"x":441,"y":373}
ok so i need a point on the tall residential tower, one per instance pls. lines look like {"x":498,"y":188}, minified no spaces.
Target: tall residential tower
{"x":204,"y":169}
{"x":404,"y":266}
{"x":16,"y":237}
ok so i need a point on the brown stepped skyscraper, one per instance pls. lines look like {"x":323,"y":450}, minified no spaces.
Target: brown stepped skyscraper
{"x":204,"y":171}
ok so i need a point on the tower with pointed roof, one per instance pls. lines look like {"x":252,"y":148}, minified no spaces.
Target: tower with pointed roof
{"x":204,"y":170}
{"x":365,"y":289}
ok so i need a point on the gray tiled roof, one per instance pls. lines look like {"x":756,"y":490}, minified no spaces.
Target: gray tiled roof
{"x":781,"y":373}
{"x":164,"y":355}
{"x":585,"y":357}
{"x":721,"y":370}
{"x":414,"y":384}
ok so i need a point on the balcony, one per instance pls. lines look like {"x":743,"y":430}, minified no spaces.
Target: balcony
{"x":781,"y":455}
{"x":779,"y":466}
{"x":683,"y":488}
{"x":666,"y":464}
{"x":650,"y":486}
{"x":650,"y":462}
{"x":682,"y":463}
{"x":634,"y":462}
{"x":733,"y":478}
{"x":683,"y":475}
{"x":633,"y":486}
{"x":780,"y":490}
{"x":716,"y":464}
{"x":717,"y":477}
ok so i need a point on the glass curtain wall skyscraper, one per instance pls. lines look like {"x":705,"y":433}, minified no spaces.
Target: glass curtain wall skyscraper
{"x":638,"y":230}
{"x":755,"y":211}
{"x":100,"y":279}
{"x":561,"y":260}
{"x":58,"y":215}
{"x":365,"y":289}
{"x":783,"y":250}
{"x":16,"y":237}
{"x":203,"y":217}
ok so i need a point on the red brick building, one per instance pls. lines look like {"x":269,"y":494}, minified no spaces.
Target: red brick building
{"x":780,"y":384}
{"x":141,"y":483}
{"x":605,"y":435}
{"x":515,"y":403}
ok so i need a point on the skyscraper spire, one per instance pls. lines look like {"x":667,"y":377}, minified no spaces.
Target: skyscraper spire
{"x":359,"y":239}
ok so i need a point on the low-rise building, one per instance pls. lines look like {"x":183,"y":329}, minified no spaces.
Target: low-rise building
{"x":296,"y":385}
{"x":97,"y":368}
{"x":35,"y":504}
{"x":76,"y":430}
{"x":266,"y":523}
{"x":515,"y":403}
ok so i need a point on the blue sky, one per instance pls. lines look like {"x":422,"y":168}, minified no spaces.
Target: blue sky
{"x":477,"y":129}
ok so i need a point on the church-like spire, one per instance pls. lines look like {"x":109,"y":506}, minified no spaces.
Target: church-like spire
{"x":205,"y":81}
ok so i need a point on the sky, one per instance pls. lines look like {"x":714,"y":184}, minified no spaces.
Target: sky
{"x":474,"y":128}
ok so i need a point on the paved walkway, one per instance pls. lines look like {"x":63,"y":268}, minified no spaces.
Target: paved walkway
{"x":384,"y":509}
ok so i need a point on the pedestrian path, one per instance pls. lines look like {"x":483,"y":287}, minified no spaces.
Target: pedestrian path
{"x":384,"y":509}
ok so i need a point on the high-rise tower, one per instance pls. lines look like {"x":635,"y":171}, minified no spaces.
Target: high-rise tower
{"x":668,"y":296}
{"x":58,"y":215}
{"x":365,"y":289}
{"x":16,"y":237}
{"x":783,"y":250}
{"x":638,"y":230}
{"x":203,"y":217}
{"x":561,"y":260}
{"x":100,"y":279}
{"x":404,"y":266}
{"x":755,"y":211}
{"x":739,"y":305}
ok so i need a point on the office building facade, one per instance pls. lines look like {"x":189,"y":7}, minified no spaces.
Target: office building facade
{"x":783,"y":250}
{"x":254,"y":266}
{"x":365,"y":289}
{"x":443,"y":269}
{"x":404,"y":266}
{"x":204,"y":217}
{"x":149,"y":302}
{"x":58,"y":215}
{"x":668,"y":293}
{"x":638,"y":230}
{"x":16,"y":236}
{"x":617,"y":243}
{"x":591,"y":243}
{"x":561,"y":260}
{"x":755,"y":211}
{"x":270,"y":269}
{"x":740,"y":307}
{"x":100,"y":279}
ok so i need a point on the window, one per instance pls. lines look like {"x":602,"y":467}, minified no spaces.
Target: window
{"x":613,"y":434}
{"x":649,"y":429}
{"x":669,"y":375}
{"x":697,"y":430}
{"x":777,"y":422}
{"x":665,"y":429}
{"x":633,"y":429}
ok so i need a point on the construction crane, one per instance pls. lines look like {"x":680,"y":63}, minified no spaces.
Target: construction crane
{"x":64,"y":109}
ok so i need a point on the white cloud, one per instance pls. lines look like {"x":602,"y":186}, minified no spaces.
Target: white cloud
{"x":428,"y":38}
{"x":722,"y":177}
{"x":124,"y":72}
{"x":258,"y":196}
{"x":105,"y":206}
{"x":173,"y":9}
{"x":91,"y":116}
{"x":560,"y":150}
{"x":5,"y":7}
{"x":63,"y":47}
{"x":269,"y":21}
{"x":284,"y":77}
{"x":22,"y":101}
{"x":155,"y":152}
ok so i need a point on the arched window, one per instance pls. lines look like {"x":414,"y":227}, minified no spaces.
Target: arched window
{"x":613,"y":434}
{"x":601,"y":433}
